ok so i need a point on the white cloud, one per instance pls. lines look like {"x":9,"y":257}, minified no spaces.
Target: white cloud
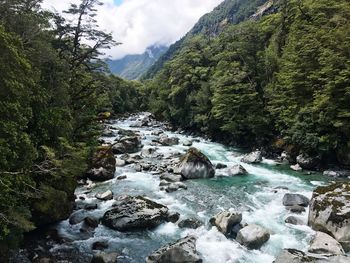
{"x":139,"y":24}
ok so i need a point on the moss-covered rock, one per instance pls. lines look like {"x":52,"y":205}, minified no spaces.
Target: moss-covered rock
{"x":102,"y":165}
{"x":330,"y":212}
{"x":52,"y":206}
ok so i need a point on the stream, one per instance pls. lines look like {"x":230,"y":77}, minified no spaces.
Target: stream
{"x":257,"y":196}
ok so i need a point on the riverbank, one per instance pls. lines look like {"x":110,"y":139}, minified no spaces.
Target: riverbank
{"x":147,"y":157}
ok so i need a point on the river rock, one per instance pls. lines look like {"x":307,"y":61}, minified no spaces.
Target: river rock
{"x":120,"y":162}
{"x":105,"y":196}
{"x":127,"y":145}
{"x":104,"y":257}
{"x":148,"y":151}
{"x":253,"y":157}
{"x":195,"y":165}
{"x":187,"y":143}
{"x":297,"y":256}
{"x":172,"y":187}
{"x":296,"y":208}
{"x":100,"y":245}
{"x":90,"y":206}
{"x":173,"y":217}
{"x":294,"y":220}
{"x":225,"y":221}
{"x":132,"y":213}
{"x":323,"y":243}
{"x":237,"y":170}
{"x":190,"y":223}
{"x":183,"y":250}
{"x":296,"y":167}
{"x":330,"y":212}
{"x":307,"y":162}
{"x":91,"y":221}
{"x":102,"y":164}
{"x":171,"y":177}
{"x":337,"y":173}
{"x":168,"y":141}
{"x":77,"y":217}
{"x":295,"y":199}
{"x":253,"y":236}
{"x":220,"y":166}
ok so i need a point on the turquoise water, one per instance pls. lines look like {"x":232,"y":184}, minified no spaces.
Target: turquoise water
{"x":253,"y":195}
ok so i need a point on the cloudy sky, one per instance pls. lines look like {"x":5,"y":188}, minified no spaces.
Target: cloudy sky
{"x":139,"y":24}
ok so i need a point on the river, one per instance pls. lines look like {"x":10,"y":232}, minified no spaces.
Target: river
{"x":257,"y":196}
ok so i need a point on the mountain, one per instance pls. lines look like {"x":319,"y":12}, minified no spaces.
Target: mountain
{"x":134,"y":66}
{"x":211,"y":24}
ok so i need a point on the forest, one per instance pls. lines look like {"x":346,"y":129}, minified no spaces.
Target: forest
{"x":54,"y":91}
{"x":281,"y":82}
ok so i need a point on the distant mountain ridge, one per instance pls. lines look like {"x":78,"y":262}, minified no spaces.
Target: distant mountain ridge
{"x":211,"y":24}
{"x":132,"y":67}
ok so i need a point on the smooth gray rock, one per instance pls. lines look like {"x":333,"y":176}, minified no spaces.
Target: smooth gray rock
{"x":132,"y":213}
{"x":182,"y":251}
{"x":330,"y":212}
{"x":168,"y":141}
{"x":237,"y":170}
{"x":253,"y":157}
{"x":294,"y":220}
{"x":253,"y":236}
{"x":195,"y":165}
{"x":295,"y":199}
{"x":171,"y":177}
{"x":323,"y":243}
{"x":297,"y":256}
{"x":105,"y":196}
{"x":225,"y":221}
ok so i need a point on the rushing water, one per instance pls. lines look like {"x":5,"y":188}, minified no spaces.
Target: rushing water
{"x":253,"y":195}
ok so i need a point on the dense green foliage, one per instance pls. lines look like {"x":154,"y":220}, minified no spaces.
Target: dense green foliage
{"x":52,"y":87}
{"x":228,"y":12}
{"x":284,"y":76}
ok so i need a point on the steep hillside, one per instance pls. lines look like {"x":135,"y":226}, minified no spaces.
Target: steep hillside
{"x":228,"y":12}
{"x":133,"y":66}
{"x":278,"y":80}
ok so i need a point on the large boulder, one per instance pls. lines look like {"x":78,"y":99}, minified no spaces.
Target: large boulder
{"x":297,"y":256}
{"x":323,"y":243}
{"x":307,"y":162}
{"x":253,"y":236}
{"x":294,"y":220}
{"x":330,"y":212}
{"x":132,"y":213}
{"x":195,"y":165}
{"x":225,"y":221}
{"x":295,"y":200}
{"x":102,"y":165}
{"x":183,"y":250}
{"x":253,"y":157}
{"x":130,"y":144}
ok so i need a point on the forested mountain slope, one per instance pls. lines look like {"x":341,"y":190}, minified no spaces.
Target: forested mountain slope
{"x":132,"y":67}
{"x":228,"y":12}
{"x":280,"y":81}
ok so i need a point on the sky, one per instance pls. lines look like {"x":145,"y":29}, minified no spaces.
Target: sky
{"x":139,"y":24}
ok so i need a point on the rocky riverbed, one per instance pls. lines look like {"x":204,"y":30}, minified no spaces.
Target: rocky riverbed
{"x":153,"y":195}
